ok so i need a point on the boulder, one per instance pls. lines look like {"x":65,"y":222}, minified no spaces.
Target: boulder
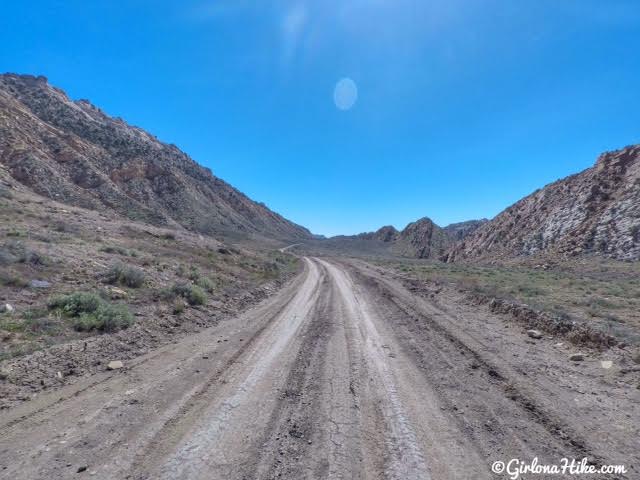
{"x":576,"y":357}
{"x":117,"y":293}
{"x":39,"y":284}
{"x":6,"y":308}
{"x":115,"y":365}
{"x":534,"y":333}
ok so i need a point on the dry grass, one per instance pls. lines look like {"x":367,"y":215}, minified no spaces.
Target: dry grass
{"x":601,"y":292}
{"x":78,"y":250}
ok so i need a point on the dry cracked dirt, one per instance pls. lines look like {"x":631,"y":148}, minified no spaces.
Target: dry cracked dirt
{"x":343,"y":373}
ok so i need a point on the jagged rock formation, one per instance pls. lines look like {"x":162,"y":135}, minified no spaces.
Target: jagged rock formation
{"x":460,"y":231}
{"x":596,"y":211}
{"x":72,"y":152}
{"x":421,"y":239}
{"x":386,"y":234}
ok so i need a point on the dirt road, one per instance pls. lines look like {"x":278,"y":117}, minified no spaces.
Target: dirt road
{"x":343,"y":374}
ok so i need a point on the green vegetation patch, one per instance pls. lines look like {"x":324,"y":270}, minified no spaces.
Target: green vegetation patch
{"x":90,"y":312}
{"x":32,"y":323}
{"x":16,"y":251}
{"x":126,"y":275}
{"x":606,"y":293}
{"x":116,"y":249}
{"x":10,"y":279}
{"x":193,"y":294}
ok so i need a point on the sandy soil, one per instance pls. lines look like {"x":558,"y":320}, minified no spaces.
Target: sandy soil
{"x":342,"y":374}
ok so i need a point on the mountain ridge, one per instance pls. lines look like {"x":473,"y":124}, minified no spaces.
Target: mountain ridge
{"x":73,"y":152}
{"x":422,"y":238}
{"x":596,"y":211}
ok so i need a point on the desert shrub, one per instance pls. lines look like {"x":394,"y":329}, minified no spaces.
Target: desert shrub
{"x":10,"y":323}
{"x":106,"y":318}
{"x":190,"y":272}
{"x":76,"y":304}
{"x":471,"y":284}
{"x":531,"y":290}
{"x":6,"y":257}
{"x":16,"y":251}
{"x":182,"y":271}
{"x":269,"y":270}
{"x":194,"y":274}
{"x":114,"y":249}
{"x":41,"y":323}
{"x":596,"y":304}
{"x":63,"y":227}
{"x":15,"y":233}
{"x":42,"y":237}
{"x":193,"y":294}
{"x":124,"y":275}
{"x":610,"y":317}
{"x":10,"y":279}
{"x":91,"y":312}
{"x":119,"y":250}
{"x":13,"y":252}
{"x":18,"y":351}
{"x":34,"y":313}
{"x":5,"y":192}
{"x":178,"y":306}
{"x":33,"y":258}
{"x":206,"y":283}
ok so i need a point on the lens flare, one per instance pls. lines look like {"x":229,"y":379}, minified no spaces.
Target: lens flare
{"x":345,"y":94}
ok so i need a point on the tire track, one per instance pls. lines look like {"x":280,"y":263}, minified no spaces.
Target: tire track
{"x":440,"y":345}
{"x":217,"y":444}
{"x":405,"y":457}
{"x":285,"y":449}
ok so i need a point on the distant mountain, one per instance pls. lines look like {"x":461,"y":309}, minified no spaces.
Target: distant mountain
{"x":596,"y":211}
{"x":386,"y":234}
{"x":421,"y":239}
{"x":74,"y":153}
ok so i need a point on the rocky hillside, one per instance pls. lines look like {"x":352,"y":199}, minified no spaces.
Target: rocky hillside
{"x":460,"y":231}
{"x":74,"y":153}
{"x":596,"y":211}
{"x":421,"y":239}
{"x":386,"y":234}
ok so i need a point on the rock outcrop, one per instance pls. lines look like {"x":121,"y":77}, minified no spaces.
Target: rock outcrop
{"x":421,"y":239}
{"x":460,"y":231}
{"x":386,"y":234}
{"x":596,"y":211}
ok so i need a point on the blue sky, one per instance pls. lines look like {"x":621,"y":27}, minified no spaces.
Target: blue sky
{"x":463,"y":106}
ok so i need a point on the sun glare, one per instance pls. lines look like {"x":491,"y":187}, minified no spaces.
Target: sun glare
{"x":345,"y":94}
